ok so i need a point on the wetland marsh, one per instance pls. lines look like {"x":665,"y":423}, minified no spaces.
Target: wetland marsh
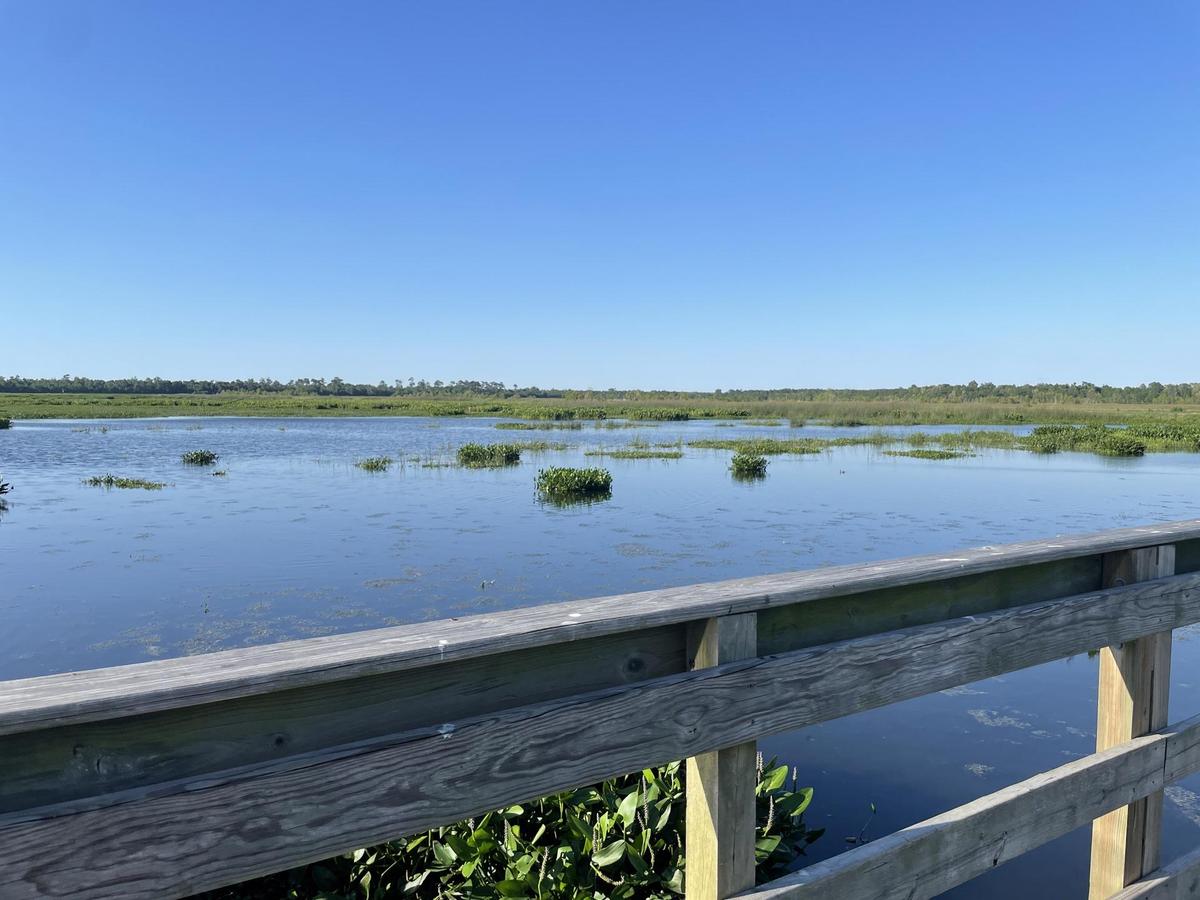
{"x":310,"y":532}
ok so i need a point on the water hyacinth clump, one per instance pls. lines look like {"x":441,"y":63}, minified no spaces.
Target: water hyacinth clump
{"x":748,"y":465}
{"x":565,"y":483}
{"x":5,"y":423}
{"x":117,"y":481}
{"x":477,"y":456}
{"x":200,"y":457}
{"x":925,"y":454}
{"x":374,"y":463}
{"x":1087,"y":438}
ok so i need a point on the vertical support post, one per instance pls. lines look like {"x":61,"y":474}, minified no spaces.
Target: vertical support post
{"x":720,"y":785}
{"x":1135,"y":678}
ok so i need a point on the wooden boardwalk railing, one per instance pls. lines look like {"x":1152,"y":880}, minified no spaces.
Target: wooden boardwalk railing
{"x":162,"y":779}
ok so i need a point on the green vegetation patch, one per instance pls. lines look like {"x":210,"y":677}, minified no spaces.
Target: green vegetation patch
{"x":566,"y":483}
{"x":539,"y":426}
{"x":5,"y":423}
{"x":478,"y":456}
{"x":200,"y":457}
{"x":637,"y":453}
{"x":764,"y":446}
{"x":539,"y":446}
{"x":1087,"y":439}
{"x":926,"y":454}
{"x":116,"y":481}
{"x":374,"y":463}
{"x":748,"y":465}
{"x":621,"y":839}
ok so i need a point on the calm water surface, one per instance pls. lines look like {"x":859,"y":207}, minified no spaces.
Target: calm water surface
{"x":295,"y":541}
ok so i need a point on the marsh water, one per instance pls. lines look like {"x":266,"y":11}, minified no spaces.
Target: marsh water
{"x":295,"y":541}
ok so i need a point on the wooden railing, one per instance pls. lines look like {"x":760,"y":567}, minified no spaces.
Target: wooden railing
{"x":166,"y":778}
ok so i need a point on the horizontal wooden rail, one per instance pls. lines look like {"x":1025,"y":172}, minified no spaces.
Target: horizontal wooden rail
{"x":1178,"y":880}
{"x":933,"y":856}
{"x":171,"y":777}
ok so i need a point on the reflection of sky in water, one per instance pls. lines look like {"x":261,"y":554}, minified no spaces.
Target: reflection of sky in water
{"x":295,"y":541}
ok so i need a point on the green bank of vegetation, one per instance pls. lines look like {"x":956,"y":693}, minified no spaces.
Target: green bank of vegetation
{"x":116,"y":481}
{"x":969,"y":404}
{"x":539,"y":426}
{"x":926,"y":454}
{"x":621,"y":839}
{"x":636,"y":453}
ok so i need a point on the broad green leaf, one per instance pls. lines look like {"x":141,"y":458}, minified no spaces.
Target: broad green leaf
{"x":609,"y":854}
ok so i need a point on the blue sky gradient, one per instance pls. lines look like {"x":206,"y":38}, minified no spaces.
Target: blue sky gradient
{"x":650,"y":194}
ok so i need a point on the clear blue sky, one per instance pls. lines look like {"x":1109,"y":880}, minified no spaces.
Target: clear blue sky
{"x":653,"y":194}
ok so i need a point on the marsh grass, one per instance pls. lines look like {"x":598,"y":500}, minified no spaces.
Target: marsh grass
{"x":200,"y":457}
{"x":764,"y":446}
{"x":748,"y":466}
{"x":567,"y":484}
{"x":1088,"y":439}
{"x":926,"y":454}
{"x":478,"y":456}
{"x":5,"y":487}
{"x":116,"y":481}
{"x":539,"y":426}
{"x":374,"y":463}
{"x":220,"y":473}
{"x":636,"y":453}
{"x":539,"y":446}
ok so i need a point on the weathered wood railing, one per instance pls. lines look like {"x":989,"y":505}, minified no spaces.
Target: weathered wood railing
{"x":166,"y":778}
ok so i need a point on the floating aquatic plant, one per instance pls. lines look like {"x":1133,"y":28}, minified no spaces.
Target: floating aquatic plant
{"x":374,"y":463}
{"x":117,"y":481}
{"x":564,"y":483}
{"x":485,"y":455}
{"x":925,"y":454}
{"x":636,"y":453}
{"x":748,"y":465}
{"x":200,"y":457}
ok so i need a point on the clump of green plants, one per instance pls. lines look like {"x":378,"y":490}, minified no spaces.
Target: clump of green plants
{"x":200,"y":457}
{"x":5,"y":423}
{"x":5,"y":487}
{"x":763,"y":446}
{"x":636,"y":453}
{"x":539,"y":426}
{"x":374,"y":463}
{"x":539,"y":446}
{"x":116,"y":481}
{"x":748,"y":465}
{"x":622,"y":839}
{"x":564,"y":483}
{"x":220,"y":473}
{"x":925,"y":454}
{"x":477,"y":456}
{"x":1086,"y":438}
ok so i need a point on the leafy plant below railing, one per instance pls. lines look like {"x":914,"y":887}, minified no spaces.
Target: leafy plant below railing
{"x":621,"y":839}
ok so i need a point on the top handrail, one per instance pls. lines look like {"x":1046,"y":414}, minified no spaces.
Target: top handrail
{"x":95,"y":695}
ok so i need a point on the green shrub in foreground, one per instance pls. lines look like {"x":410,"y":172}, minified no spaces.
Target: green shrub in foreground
{"x":200,"y":457}
{"x":620,"y":839}
{"x":482,"y":455}
{"x":566,"y":483}
{"x":748,"y":465}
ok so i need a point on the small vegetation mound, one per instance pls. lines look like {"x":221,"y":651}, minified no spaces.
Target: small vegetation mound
{"x":374,"y":463}
{"x":200,"y":458}
{"x":478,"y":456}
{"x":566,"y":483}
{"x":925,"y":454}
{"x":539,"y":426}
{"x":748,"y":465}
{"x":5,"y":423}
{"x":637,"y":453}
{"x":128,"y":484}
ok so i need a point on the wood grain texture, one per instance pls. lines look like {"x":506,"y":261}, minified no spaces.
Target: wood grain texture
{"x":931,"y":857}
{"x":166,"y":684}
{"x":1134,"y":683}
{"x":721,"y":783}
{"x":1178,"y":880}
{"x":172,"y":839}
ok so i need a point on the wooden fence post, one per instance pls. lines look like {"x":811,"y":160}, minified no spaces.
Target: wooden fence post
{"x":1135,"y":679}
{"x":721,"y":784}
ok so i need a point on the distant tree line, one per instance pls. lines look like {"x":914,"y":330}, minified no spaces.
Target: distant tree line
{"x":1154,"y":392}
